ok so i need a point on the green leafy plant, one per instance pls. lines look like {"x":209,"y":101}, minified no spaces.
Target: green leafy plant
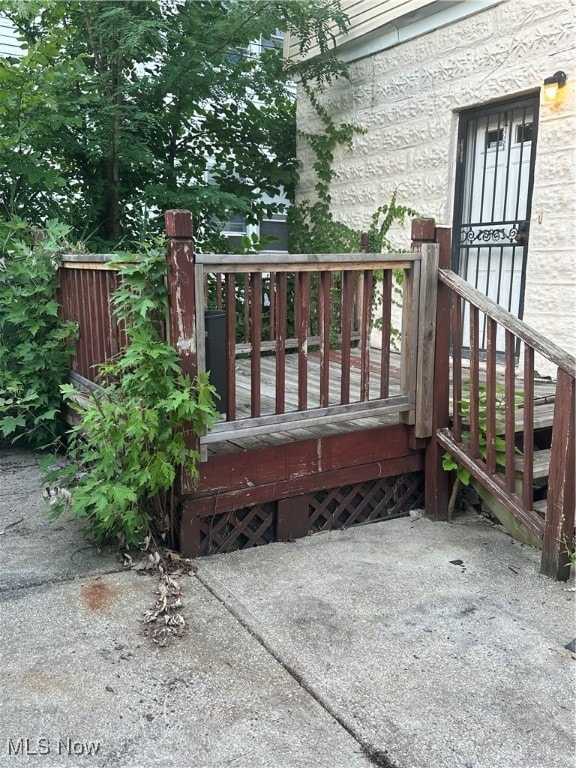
{"x":130,"y":441}
{"x":448,"y":461}
{"x":570,"y":551}
{"x":35,"y":343}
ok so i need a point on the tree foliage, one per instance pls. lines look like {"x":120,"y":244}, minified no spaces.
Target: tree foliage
{"x":35,"y":343}
{"x":120,"y":110}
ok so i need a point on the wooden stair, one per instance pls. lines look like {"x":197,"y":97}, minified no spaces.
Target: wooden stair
{"x":541,"y":464}
{"x":541,"y":469}
{"x":540,"y":473}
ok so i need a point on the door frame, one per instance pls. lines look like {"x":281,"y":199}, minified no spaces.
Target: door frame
{"x":462,"y":148}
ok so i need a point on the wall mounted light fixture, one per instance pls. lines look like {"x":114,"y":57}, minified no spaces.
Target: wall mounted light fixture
{"x":553,"y":84}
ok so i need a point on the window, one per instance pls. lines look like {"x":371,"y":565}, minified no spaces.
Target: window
{"x":278,"y":229}
{"x":235,"y":226}
{"x":495,"y":139}
{"x":524,"y":132}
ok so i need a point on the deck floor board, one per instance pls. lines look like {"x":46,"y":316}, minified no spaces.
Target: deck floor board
{"x":543,"y":408}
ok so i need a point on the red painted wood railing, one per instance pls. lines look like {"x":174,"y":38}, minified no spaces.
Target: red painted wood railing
{"x":492,"y":416}
{"x":87,"y":282}
{"x":330,"y":299}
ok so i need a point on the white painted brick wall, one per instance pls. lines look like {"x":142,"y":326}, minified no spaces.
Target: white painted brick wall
{"x":407,"y":99}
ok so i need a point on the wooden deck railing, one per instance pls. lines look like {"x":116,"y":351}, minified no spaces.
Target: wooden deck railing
{"x":491,"y":424}
{"x":297,"y":329}
{"x":87,"y":282}
{"x":313,"y":316}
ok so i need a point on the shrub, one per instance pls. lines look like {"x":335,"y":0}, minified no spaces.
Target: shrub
{"x":127,"y":448}
{"x":35,"y":343}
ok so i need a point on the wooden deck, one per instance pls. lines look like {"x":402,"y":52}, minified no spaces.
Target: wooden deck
{"x":268,"y":398}
{"x":323,"y":431}
{"x":543,"y":399}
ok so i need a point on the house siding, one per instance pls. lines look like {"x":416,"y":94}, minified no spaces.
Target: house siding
{"x":9,"y":45}
{"x":366,"y":16}
{"x":407,"y":100}
{"x":374,"y":25}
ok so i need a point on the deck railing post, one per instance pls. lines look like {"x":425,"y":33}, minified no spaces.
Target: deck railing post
{"x":559,"y":524}
{"x":182,"y":312}
{"x":423,"y":427}
{"x":182,"y":306}
{"x":437,"y":481}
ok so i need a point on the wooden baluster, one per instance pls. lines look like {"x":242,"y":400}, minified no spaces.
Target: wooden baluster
{"x":491,"y":397}
{"x":386,"y":333}
{"x":247,"y":302}
{"x":122,"y":335}
{"x":510,"y":409}
{"x":456,"y":366}
{"x":366,"y":325}
{"x":230,"y":347}
{"x":325,"y":286}
{"x":528,"y":448}
{"x":278,"y":328}
{"x":303,"y":284}
{"x":87,"y":323}
{"x":474,"y":382}
{"x":272,"y":306}
{"x":255,"y":339}
{"x":314,"y":319}
{"x":348,"y":285}
{"x":559,"y":525}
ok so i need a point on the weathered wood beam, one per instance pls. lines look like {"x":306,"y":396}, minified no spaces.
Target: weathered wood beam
{"x":559,"y":525}
{"x":182,"y":308}
{"x":423,"y":426}
{"x":231,"y":499}
{"x":284,"y":422}
{"x":437,"y":481}
{"x":519,"y":328}
{"x":271,"y":463}
{"x":409,"y":337}
{"x":290,"y":262}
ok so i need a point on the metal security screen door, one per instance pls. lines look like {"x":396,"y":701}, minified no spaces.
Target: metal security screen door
{"x":496,"y":153}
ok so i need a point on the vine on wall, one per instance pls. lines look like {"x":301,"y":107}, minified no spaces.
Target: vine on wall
{"x":312,"y":226}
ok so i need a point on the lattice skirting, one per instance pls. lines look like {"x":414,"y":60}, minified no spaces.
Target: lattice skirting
{"x":366,"y":502}
{"x":325,"y":510}
{"x":239,"y":529}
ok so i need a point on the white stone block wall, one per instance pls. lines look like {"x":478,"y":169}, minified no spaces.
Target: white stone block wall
{"x":407,"y":99}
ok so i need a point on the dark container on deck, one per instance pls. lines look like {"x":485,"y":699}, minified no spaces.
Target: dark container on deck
{"x":215,"y":325}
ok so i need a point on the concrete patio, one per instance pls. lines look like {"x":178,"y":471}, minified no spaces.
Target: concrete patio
{"x":405,"y":643}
